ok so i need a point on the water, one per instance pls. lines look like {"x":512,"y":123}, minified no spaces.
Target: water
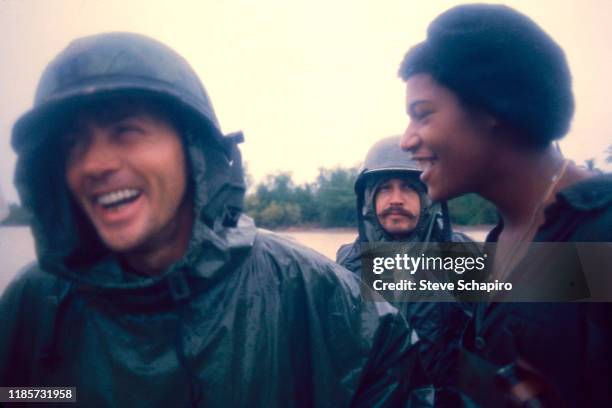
{"x":327,"y":241}
{"x":17,"y":245}
{"x":16,"y":251}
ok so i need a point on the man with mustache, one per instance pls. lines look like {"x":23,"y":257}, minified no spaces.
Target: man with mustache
{"x":397,"y":207}
{"x":393,"y":206}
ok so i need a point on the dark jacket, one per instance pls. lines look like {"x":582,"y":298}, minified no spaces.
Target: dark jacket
{"x":568,"y":344}
{"x":245,"y":318}
{"x":438,"y":326}
{"x":273,"y":325}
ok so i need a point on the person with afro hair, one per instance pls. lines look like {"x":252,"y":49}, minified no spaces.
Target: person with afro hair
{"x":487,"y":94}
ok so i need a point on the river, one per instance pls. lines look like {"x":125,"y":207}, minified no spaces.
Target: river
{"x":16,"y":250}
{"x":17,"y":245}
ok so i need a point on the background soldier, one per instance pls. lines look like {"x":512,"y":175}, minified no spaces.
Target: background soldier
{"x":393,"y":206}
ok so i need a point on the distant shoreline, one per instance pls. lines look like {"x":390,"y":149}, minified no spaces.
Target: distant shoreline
{"x":342,"y":230}
{"x":460,"y":228}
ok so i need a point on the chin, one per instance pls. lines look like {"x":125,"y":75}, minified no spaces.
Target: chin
{"x":400,"y":233}
{"x":443,"y":192}
{"x":121,"y":242}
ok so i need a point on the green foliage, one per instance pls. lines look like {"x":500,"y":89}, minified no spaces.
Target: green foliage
{"x":280,"y":215}
{"x":471,"y":209}
{"x":336,"y":197}
{"x":305,"y":198}
{"x":330,"y":201}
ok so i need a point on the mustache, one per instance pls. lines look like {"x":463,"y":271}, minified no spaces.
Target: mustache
{"x":397,"y":211}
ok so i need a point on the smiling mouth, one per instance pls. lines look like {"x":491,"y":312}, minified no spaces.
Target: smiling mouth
{"x":425,"y":163}
{"x":118,"y":198}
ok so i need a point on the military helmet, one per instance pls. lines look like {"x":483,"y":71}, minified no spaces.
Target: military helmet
{"x":113,"y":64}
{"x":386,"y":156}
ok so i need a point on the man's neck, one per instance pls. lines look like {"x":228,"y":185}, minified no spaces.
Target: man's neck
{"x":528,"y":180}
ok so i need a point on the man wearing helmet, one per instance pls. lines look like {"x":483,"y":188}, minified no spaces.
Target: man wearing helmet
{"x":151,"y":288}
{"x":393,"y":206}
{"x":397,"y":206}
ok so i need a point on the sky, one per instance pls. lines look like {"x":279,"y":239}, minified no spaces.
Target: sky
{"x":310,"y":83}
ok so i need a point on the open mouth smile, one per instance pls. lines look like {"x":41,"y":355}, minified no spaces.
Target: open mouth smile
{"x":117,"y":207}
{"x":426,"y":163}
{"x":117,"y":198}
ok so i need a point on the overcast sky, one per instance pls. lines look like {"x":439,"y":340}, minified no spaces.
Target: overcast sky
{"x":311,"y":83}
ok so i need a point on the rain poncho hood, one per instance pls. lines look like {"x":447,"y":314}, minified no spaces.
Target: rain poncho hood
{"x":245,"y":318}
{"x":106,"y":66}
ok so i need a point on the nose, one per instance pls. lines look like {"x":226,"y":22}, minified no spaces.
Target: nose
{"x":396,"y":197}
{"x":410,"y":141}
{"x":99,"y":157}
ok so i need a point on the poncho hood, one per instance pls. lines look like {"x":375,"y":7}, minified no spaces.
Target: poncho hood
{"x":116,"y":65}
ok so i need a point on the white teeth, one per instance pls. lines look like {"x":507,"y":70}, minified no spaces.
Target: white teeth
{"x":117,"y":196}
{"x":426,"y":164}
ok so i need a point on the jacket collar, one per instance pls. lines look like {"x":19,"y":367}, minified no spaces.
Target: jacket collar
{"x":588,"y":195}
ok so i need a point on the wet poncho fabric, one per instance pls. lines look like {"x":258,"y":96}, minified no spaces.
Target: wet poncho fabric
{"x":437,"y":326}
{"x":245,"y":318}
{"x":565,"y":345}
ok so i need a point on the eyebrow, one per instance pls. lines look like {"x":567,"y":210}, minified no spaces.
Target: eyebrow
{"x":411,"y":108}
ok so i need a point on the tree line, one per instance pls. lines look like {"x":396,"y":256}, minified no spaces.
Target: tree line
{"x":329,"y":201}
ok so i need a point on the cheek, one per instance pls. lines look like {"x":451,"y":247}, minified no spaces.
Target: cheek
{"x":458,"y":142}
{"x":475,"y":151}
{"x":469,"y":166}
{"x":413,"y":202}
{"x":71,"y":173}
{"x":438,"y":139}
{"x":175,"y":174}
{"x":379,"y":203}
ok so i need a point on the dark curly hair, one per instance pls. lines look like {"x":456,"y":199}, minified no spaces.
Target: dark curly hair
{"x":497,"y":59}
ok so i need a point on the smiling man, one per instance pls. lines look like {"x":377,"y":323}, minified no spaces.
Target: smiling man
{"x":488,"y":92}
{"x":151,"y":287}
{"x":126,"y":168}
